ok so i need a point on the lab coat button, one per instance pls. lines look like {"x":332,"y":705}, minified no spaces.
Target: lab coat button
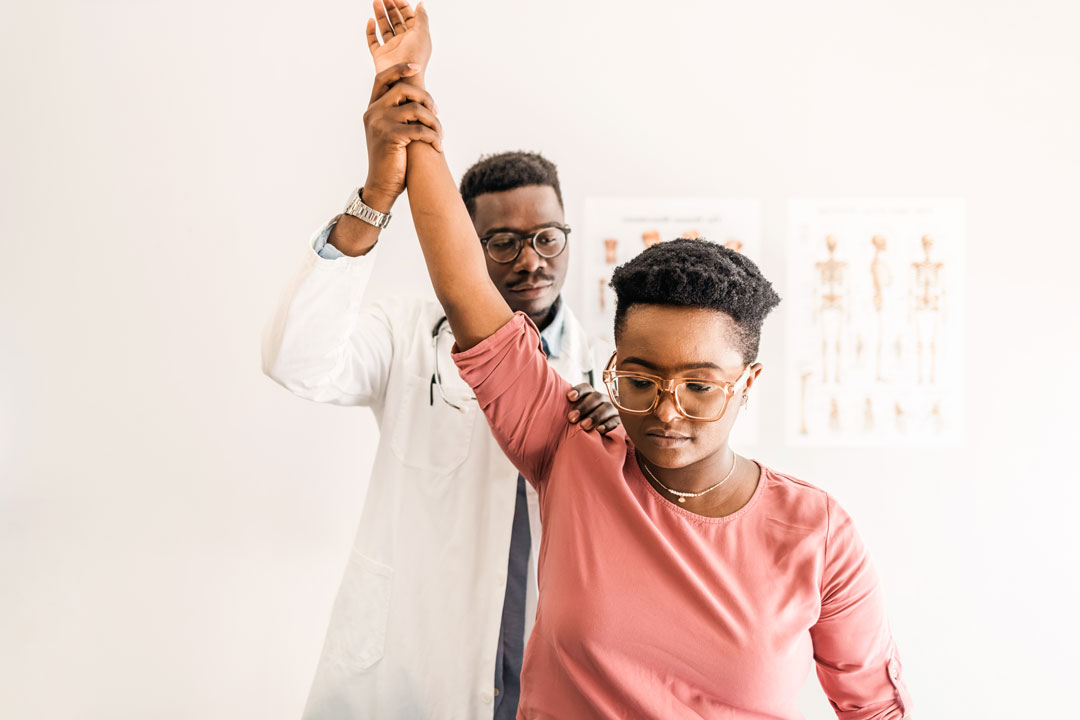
{"x":486,"y":697}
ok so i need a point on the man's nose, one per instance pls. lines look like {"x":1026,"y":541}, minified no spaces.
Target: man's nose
{"x":528,"y":260}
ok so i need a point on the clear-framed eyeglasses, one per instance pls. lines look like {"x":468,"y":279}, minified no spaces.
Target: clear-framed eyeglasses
{"x":442,"y":329}
{"x":698,"y":399}
{"x":548,"y":241}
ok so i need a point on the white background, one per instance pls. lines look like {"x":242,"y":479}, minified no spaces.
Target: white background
{"x":173,"y":526}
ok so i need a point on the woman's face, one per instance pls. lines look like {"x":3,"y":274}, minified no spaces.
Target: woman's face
{"x":681,"y":342}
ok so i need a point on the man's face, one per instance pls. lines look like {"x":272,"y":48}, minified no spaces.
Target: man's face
{"x":531,"y":283}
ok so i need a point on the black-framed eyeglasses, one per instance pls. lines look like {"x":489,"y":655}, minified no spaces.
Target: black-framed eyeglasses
{"x":548,"y":241}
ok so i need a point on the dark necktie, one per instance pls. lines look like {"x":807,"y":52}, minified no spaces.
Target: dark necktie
{"x":512,"y":632}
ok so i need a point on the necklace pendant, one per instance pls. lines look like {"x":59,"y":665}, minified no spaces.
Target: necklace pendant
{"x":682,"y":499}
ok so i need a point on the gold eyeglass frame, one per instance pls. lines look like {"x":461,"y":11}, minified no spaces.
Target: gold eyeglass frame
{"x":671,"y":385}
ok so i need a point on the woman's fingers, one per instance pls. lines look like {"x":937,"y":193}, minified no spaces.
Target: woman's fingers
{"x":397,"y":20}
{"x":421,"y":14}
{"x":386,"y":32}
{"x":372,"y":36}
{"x":406,"y":12}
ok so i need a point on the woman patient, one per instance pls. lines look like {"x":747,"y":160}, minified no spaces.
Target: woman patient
{"x":677,"y":579}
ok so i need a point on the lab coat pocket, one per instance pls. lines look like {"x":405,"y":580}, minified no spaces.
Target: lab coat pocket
{"x":357,"y":637}
{"x":428,"y":433}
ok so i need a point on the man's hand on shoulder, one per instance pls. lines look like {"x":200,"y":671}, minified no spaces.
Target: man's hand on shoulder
{"x":591,"y":409}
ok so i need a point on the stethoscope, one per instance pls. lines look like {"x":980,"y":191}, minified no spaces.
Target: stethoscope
{"x":436,"y":376}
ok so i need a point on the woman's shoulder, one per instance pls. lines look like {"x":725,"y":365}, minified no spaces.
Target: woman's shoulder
{"x":795,"y":500}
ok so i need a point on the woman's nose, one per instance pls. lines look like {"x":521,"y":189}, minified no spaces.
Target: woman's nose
{"x":666,"y":410}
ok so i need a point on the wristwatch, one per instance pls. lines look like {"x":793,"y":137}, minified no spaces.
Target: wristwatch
{"x":358,"y":209}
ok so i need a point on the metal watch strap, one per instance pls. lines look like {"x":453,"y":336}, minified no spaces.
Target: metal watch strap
{"x":358,"y":209}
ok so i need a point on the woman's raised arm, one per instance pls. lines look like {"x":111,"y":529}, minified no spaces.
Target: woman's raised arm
{"x":452,"y":251}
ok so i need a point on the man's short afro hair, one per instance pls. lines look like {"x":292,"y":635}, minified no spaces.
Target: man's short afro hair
{"x":508,"y":171}
{"x":698,"y":274}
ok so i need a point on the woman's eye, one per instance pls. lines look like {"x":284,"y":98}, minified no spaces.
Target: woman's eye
{"x":639,"y":383}
{"x":700,"y":388}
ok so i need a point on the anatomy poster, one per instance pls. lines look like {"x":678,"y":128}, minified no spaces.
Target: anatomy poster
{"x":874,"y":301}
{"x":617,"y":229}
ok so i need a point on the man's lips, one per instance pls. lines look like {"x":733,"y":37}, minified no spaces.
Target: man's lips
{"x":530,"y":291}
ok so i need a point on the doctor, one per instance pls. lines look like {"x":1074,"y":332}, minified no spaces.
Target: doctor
{"x":439,"y":594}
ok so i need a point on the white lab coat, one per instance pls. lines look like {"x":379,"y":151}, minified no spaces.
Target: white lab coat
{"x":415,"y":626}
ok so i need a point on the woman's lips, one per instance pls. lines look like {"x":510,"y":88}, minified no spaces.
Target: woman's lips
{"x":667,"y":440}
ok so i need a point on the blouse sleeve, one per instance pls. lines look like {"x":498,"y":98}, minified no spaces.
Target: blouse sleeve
{"x":857,"y":662}
{"x":523,"y":397}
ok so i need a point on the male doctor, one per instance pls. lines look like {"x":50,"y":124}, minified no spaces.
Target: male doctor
{"x":439,"y":594}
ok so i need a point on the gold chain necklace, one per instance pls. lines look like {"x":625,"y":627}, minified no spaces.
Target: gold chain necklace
{"x":683,"y":495}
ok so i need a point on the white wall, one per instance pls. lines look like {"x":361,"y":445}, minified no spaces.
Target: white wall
{"x":173,"y":525}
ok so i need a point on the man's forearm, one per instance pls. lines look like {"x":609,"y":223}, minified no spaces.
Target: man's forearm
{"x":454,"y":257}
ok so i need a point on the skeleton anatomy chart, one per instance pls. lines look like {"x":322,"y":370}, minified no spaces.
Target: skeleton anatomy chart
{"x":874,"y":301}
{"x":617,"y":229}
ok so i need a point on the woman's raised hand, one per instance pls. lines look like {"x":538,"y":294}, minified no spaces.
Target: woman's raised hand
{"x":398,"y":34}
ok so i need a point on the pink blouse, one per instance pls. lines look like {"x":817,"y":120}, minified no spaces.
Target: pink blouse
{"x":647,"y":610}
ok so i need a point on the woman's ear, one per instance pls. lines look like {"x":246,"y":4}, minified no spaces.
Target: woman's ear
{"x":755,"y":370}
{"x":751,"y":376}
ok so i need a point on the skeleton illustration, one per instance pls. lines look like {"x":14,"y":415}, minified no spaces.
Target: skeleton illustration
{"x":832,"y":310}
{"x":882,"y":279}
{"x":928,"y":304}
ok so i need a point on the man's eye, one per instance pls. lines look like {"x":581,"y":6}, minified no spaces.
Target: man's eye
{"x":501,"y":243}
